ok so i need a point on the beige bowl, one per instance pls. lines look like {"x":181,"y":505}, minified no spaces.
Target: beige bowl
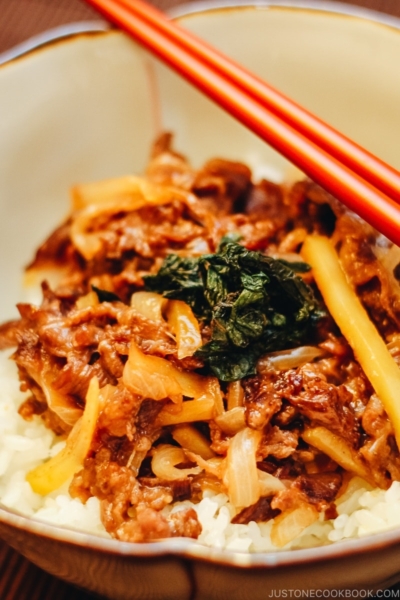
{"x":88,"y":107}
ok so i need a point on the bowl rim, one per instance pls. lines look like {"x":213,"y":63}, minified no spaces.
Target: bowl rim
{"x":55,"y":34}
{"x":325,"y":6}
{"x":184,"y":547}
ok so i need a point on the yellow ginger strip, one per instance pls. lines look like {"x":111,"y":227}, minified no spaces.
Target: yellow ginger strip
{"x":50,"y":475}
{"x":191,"y":439}
{"x":336,"y":448}
{"x":192,"y":411}
{"x":354,"y":323}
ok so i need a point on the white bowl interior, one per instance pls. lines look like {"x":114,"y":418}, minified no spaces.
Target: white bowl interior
{"x":340,"y":67}
{"x":78,"y":110}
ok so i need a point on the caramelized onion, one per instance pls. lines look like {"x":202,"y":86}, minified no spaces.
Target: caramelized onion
{"x":189,"y":438}
{"x":151,"y":376}
{"x":191,"y":411}
{"x":185,"y":327}
{"x":241,"y":475}
{"x":150,"y":305}
{"x":289,"y":359}
{"x":234,"y":394}
{"x":157,"y":378}
{"x":269,"y":484}
{"x":232,"y":421}
{"x":165,"y":457}
{"x":289,"y":524}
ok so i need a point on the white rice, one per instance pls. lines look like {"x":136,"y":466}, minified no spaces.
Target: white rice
{"x":25,"y":444}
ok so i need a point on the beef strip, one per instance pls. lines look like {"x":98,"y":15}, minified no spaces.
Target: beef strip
{"x":322,"y":403}
{"x":262,"y":400}
{"x":318,"y":489}
{"x":379,"y":449}
{"x":259,"y":512}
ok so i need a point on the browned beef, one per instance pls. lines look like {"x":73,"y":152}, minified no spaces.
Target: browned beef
{"x":320,"y":486}
{"x":262,"y":400}
{"x":357,"y":244}
{"x":266,"y":201}
{"x":180,"y":489}
{"x":319,"y":489}
{"x":261,"y":511}
{"x":380,"y":449}
{"x":279,"y":443}
{"x":223,"y":185}
{"x":322,"y":403}
{"x":66,"y":346}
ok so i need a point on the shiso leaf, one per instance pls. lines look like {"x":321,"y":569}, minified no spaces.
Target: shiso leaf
{"x":254,"y":304}
{"x":105,"y":295}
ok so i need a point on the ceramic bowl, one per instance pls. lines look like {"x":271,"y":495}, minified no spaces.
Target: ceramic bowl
{"x":88,"y":107}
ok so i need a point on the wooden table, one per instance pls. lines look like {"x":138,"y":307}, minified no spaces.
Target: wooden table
{"x":19,"y":20}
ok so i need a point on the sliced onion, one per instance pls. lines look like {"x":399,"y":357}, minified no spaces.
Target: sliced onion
{"x":269,"y":484}
{"x":241,"y":475}
{"x":52,"y":474}
{"x":185,"y":327}
{"x":234,"y":394}
{"x":129,"y":187}
{"x":337,"y":449}
{"x":157,"y":378}
{"x":289,"y":524}
{"x":213,"y":466}
{"x":150,"y":305}
{"x":88,"y":300}
{"x":189,"y":438}
{"x":165,"y":457}
{"x":289,"y":359}
{"x":232,"y":420}
{"x":63,"y":406}
{"x":151,"y":376}
{"x":87,"y":243}
{"x":191,"y":411}
{"x":213,"y":390}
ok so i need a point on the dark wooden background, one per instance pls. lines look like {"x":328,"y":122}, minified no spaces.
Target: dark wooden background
{"x":19,"y":20}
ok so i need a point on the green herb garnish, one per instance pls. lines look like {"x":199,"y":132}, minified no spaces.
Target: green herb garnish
{"x":254,"y":304}
{"x":105,"y":295}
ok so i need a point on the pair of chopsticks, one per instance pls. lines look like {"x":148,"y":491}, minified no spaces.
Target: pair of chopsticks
{"x":361,"y":181}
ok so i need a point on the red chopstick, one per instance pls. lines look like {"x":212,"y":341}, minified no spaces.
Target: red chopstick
{"x":361,"y":161}
{"x":333,"y":161}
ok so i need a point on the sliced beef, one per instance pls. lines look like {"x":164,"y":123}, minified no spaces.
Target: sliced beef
{"x":260,"y":512}
{"x":322,"y":403}
{"x":263,"y":399}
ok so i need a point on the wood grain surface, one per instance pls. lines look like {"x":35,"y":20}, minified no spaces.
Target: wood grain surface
{"x":19,"y":20}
